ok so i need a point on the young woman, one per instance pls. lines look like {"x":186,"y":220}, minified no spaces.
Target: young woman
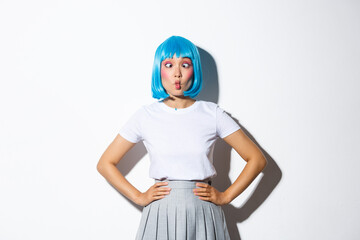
{"x":179,"y":134}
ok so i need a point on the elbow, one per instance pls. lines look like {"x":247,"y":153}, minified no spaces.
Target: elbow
{"x":259,"y":162}
{"x":100,"y":167}
{"x":262,"y":163}
{"x":103,"y":167}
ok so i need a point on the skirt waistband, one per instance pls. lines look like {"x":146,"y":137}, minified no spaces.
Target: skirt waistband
{"x":183,"y":183}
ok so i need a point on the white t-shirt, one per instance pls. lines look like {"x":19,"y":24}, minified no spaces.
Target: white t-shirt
{"x":180,"y":142}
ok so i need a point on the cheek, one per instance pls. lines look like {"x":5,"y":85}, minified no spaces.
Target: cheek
{"x":163,"y":73}
{"x":189,"y":74}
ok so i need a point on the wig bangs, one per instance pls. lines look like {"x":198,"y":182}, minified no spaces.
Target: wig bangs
{"x":180,"y":48}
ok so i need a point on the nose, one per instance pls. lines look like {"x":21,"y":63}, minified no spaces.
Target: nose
{"x":177,"y":72}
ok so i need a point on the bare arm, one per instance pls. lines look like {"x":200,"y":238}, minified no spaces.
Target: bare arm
{"x":107,"y":168}
{"x":256,"y":162}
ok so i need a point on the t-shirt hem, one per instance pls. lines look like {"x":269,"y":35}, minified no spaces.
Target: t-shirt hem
{"x":130,"y":139}
{"x":232,"y":130}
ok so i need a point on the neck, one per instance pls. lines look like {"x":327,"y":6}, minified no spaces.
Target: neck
{"x":179,"y":102}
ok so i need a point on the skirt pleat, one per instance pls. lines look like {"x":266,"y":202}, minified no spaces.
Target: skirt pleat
{"x":163,"y":228}
{"x":190,"y":223}
{"x":214,"y":222}
{"x":171,"y":211}
{"x":181,"y":215}
{"x":209,"y":223}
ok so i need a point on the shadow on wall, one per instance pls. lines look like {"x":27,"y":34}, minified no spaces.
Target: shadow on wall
{"x":222,"y":153}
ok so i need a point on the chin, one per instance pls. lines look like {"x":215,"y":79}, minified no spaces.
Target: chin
{"x":177,"y":95}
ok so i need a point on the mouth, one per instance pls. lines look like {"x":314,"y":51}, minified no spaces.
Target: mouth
{"x":177,"y":85}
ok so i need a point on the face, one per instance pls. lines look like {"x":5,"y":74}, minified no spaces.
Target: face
{"x":176,"y":75}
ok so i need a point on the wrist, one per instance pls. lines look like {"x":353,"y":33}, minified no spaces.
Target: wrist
{"x":137,"y":198}
{"x":227,"y":197}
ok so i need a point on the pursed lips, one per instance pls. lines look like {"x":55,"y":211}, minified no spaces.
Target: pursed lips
{"x":177,"y":84}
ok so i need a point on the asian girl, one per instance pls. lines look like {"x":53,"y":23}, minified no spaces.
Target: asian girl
{"x":179,"y":134}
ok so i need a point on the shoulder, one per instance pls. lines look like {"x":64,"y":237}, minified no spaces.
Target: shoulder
{"x":212,"y":105}
{"x":213,"y":108}
{"x":207,"y":106}
{"x":142,"y":109}
{"x":152,"y":107}
{"x":207,"y":103}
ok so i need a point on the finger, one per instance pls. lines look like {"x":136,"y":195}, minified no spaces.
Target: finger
{"x":156,"y":193}
{"x":159,"y":184}
{"x":201,"y":190}
{"x":158,"y":197}
{"x":203,"y":194}
{"x":203,"y":185}
{"x":205,"y":199}
{"x":161,"y":193}
{"x":163,"y":189}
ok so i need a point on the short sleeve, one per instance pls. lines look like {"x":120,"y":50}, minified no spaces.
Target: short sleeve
{"x":131,"y":130}
{"x":225,"y":125}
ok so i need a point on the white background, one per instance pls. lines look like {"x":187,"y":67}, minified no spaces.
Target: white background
{"x":73,"y":72}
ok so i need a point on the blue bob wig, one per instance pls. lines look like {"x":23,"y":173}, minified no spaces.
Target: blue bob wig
{"x":182,"y":48}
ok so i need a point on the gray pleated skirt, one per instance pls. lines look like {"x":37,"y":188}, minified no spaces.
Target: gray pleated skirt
{"x":181,"y":215}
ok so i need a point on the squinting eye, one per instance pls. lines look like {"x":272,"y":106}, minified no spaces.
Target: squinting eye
{"x":168,"y":65}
